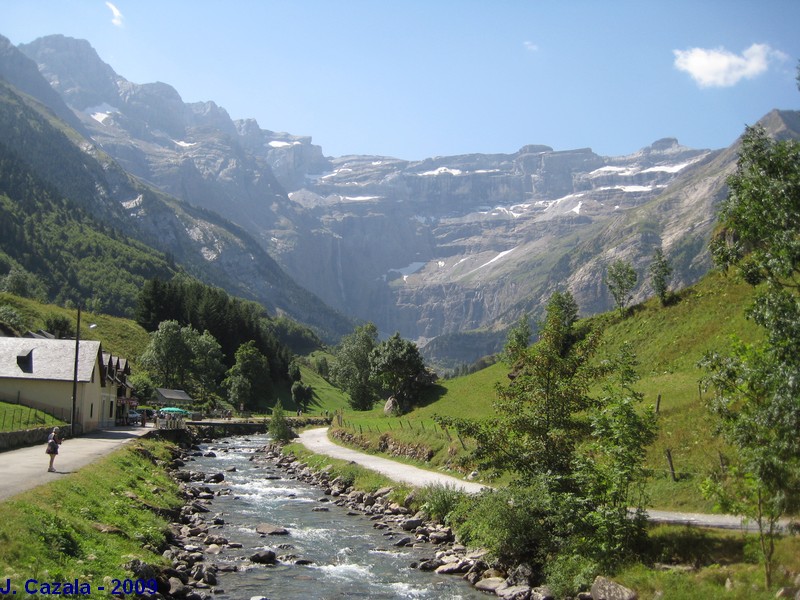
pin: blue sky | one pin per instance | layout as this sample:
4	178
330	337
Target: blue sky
420	78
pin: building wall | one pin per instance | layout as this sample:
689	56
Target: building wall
58	395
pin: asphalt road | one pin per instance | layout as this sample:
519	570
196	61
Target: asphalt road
26	468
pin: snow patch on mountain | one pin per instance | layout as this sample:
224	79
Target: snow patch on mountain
102	112
441	171
405	272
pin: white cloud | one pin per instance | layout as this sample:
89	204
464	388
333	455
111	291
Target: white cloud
721	68
116	19
530	46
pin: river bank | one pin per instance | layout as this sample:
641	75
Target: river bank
147	514
392	509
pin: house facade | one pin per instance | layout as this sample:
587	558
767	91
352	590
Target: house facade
40	373
118	398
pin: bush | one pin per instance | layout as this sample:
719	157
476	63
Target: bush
279	428
439	500
514	524
569	573
11	317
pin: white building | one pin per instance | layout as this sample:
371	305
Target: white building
39	372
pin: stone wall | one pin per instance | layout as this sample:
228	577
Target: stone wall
28	437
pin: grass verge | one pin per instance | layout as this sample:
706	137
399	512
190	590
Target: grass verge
88	525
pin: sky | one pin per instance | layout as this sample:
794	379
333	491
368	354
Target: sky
421	78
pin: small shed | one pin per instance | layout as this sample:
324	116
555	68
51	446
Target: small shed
168	397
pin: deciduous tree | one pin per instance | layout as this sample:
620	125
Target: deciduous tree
621	279
398	367
757	386
660	274
351	366
247	381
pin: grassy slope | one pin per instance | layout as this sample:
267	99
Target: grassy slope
14	417
668	342
121	337
87	526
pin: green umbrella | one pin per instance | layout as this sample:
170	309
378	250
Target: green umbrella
173	409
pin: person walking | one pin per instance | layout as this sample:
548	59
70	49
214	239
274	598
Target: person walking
53	442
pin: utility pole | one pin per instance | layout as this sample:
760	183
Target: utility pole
75	374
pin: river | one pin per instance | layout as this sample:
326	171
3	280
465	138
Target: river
349	557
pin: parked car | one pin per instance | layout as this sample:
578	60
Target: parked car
134	418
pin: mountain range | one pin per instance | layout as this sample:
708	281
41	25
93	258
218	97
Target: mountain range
449	251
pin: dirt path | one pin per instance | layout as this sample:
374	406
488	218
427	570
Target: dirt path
317	441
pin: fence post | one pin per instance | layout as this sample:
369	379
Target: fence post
668	452
658	403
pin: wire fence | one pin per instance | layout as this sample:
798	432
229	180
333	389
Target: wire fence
24	417
398	425
18	414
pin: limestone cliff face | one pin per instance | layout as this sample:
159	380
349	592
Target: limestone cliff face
430	248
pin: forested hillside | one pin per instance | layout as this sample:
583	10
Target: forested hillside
53	246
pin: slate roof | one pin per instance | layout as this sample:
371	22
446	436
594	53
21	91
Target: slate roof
177	396
41	358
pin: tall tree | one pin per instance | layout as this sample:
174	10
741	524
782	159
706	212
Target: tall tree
609	467
168	355
351	366
660	274
207	365
621	279
398	367
757	386
248	380
541	413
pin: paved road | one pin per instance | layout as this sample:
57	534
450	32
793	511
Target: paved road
26	468
317	441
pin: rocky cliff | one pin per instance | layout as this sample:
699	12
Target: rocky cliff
431	248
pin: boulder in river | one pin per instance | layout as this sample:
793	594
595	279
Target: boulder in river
263	557
269	529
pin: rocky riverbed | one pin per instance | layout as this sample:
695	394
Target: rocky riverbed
210	550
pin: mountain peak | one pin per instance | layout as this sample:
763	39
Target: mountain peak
74	69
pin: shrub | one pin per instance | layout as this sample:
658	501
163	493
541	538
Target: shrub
439	500
514	524
279	428
569	573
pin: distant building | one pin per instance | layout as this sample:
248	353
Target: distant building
177	398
